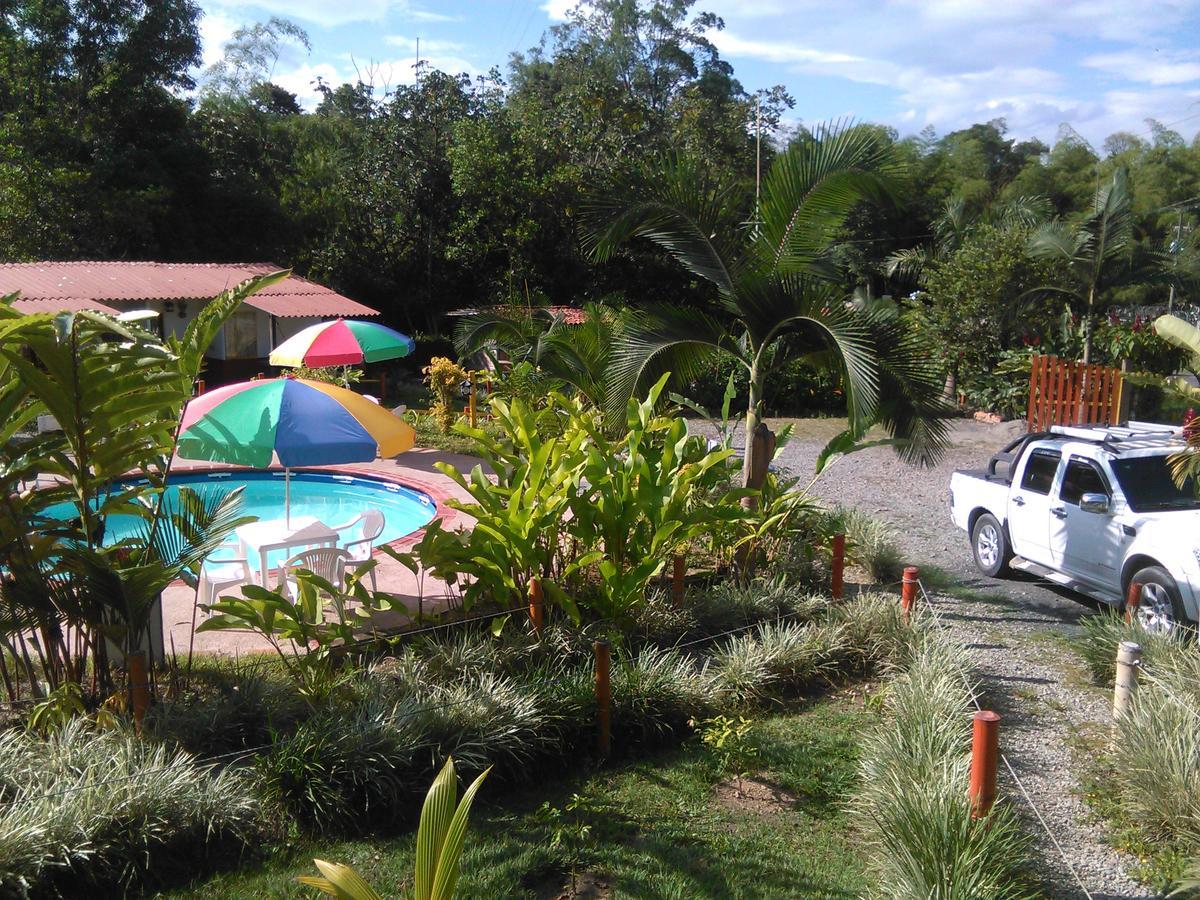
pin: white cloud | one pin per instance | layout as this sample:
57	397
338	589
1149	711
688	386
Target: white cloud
557	9
426	45
1160	67
216	27
954	62
776	51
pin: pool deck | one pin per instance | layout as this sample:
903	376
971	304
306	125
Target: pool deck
414	468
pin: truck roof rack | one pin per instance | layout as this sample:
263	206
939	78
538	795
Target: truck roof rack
1130	436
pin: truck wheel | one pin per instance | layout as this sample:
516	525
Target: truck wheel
989	545
1159	611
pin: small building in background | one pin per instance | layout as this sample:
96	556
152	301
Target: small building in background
177	291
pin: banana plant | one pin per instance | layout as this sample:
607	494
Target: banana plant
440	837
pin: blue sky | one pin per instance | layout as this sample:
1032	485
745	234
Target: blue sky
1101	65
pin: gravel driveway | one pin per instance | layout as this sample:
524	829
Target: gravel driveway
1040	701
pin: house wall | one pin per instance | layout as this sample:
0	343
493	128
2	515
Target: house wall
286	328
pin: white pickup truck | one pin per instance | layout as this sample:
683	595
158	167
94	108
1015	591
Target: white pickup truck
1091	508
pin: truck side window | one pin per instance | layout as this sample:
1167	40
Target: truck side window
1039	471
1081	477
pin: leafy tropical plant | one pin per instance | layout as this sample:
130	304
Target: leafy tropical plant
775	299
302	624
117	393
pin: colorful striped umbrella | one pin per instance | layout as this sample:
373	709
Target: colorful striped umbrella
342	343
292	420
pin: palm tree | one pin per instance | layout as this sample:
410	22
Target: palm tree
1095	252
776	297
577	353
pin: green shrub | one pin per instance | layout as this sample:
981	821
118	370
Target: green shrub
110	809
226	709
875	630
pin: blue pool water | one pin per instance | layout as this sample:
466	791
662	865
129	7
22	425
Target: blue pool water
332	499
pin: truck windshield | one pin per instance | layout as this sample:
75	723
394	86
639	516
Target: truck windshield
1148	485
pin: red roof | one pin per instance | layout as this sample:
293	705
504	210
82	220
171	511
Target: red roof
65	304
53	286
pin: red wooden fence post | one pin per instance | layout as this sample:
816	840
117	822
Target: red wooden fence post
139	686
838	567
908	590
536	605
603	700
985	753
1132	600
678	568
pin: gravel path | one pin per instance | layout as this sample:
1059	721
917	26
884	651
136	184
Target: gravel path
1020	676
1039	712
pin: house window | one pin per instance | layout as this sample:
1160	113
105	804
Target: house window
241	335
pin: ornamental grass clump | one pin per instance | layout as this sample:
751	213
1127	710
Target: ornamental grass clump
655	693
109	810
774	656
1100	634
922	841
344	770
1157	771
871	544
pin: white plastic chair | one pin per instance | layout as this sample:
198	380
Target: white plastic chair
220	573
324	562
361	549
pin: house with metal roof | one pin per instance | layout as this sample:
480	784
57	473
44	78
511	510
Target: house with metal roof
176	291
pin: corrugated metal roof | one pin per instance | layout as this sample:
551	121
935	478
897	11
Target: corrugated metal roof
52	283
293	305
61	304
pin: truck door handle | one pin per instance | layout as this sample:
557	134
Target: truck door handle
1059	511
1018	501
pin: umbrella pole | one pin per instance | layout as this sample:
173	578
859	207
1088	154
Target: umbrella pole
287	496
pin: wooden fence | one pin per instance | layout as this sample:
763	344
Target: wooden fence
1065	392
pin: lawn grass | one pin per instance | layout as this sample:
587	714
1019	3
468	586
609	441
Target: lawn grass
657	829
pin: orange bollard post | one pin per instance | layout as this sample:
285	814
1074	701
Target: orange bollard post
678	568
536	605
838	566
908	590
139	686
471	399
985	754
199	386
603	700
1133	599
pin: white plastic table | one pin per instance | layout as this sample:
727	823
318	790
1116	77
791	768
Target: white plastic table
269	535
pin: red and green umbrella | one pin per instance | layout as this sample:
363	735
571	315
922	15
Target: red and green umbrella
342	342
292	421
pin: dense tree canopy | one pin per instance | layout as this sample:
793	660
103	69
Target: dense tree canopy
453	191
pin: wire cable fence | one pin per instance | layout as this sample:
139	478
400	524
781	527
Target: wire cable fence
973	694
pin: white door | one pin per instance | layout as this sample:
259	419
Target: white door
1029	507
1086	545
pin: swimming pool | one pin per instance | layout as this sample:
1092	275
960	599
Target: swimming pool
333	498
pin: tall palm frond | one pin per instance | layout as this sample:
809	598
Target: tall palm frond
682	207
807	193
